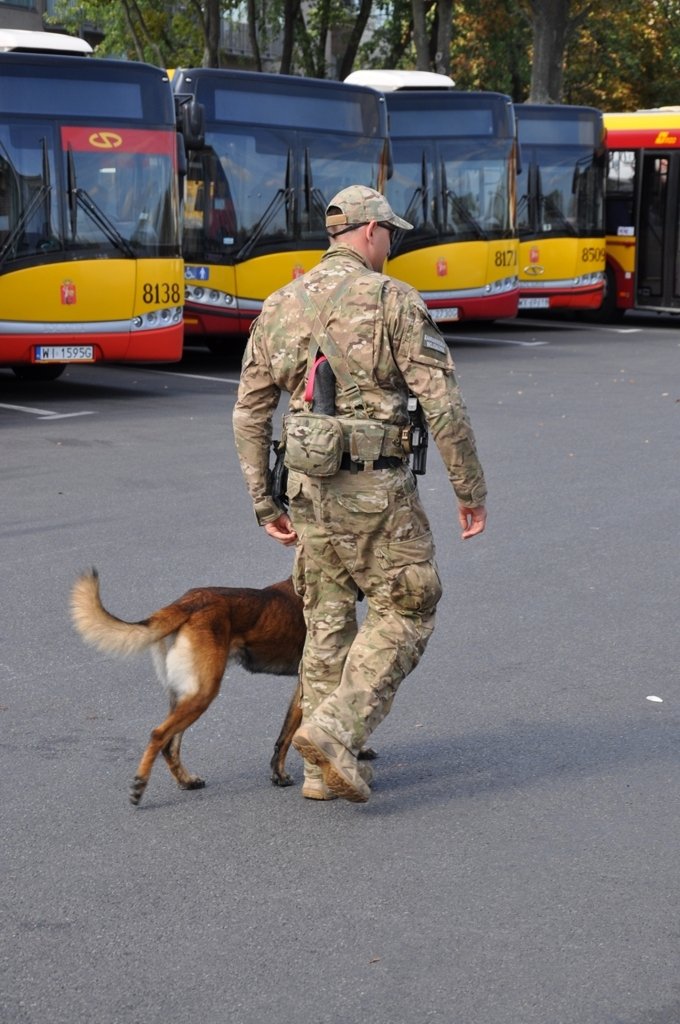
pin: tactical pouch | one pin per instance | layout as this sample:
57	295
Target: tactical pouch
365	440
314	443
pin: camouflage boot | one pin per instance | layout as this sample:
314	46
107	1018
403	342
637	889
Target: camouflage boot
339	767
313	787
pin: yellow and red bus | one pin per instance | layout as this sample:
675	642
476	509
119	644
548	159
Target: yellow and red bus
560	206
454	171
642	212
90	259
265	155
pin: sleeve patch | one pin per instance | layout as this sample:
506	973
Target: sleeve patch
432	342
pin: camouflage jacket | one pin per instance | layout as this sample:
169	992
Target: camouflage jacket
391	346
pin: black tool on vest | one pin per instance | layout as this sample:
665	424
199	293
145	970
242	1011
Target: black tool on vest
324	388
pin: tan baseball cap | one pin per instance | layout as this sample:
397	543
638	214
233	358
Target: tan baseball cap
359	204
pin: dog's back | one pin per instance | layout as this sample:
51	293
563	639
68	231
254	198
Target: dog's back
263	629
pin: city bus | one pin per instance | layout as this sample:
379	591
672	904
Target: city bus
265	155
642	212
90	257
560	207
454	173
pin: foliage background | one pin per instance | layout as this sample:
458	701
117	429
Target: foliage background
619	56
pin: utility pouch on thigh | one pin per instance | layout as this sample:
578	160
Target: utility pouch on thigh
313	443
365	440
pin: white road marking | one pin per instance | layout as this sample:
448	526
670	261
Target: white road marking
45	414
453	338
196	376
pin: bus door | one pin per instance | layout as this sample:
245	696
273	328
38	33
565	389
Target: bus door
658	251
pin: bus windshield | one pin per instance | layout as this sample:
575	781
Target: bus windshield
559	190
452	189
257	189
76	189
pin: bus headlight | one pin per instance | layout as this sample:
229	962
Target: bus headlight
502	285
157	318
596	277
208	296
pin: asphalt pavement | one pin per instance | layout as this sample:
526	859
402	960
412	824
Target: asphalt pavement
518	860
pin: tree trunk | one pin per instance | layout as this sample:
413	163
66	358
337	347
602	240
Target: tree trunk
442	57
347	62
252	34
550	20
212	33
420	37
324	16
291	12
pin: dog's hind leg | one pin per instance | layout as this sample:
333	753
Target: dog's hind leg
171	753
185	713
192	672
291	723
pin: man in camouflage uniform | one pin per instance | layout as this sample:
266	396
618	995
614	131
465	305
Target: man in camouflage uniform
364	527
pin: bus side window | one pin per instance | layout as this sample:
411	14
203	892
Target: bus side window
619	210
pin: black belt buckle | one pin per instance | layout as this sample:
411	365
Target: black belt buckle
383	462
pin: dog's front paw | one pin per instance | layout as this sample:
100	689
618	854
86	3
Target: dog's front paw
282	779
367	754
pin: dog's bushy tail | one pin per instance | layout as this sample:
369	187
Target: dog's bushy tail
103	630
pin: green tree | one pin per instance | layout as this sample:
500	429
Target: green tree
491	47
622	56
629	61
148	30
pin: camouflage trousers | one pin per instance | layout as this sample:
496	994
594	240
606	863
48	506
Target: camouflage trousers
366	531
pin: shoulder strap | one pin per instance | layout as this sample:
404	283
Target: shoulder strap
322	341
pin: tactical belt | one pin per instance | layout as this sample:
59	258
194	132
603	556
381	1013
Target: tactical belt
384	462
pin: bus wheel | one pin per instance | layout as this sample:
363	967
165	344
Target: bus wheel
38	374
609	312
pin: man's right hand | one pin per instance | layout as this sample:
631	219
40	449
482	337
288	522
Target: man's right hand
472	520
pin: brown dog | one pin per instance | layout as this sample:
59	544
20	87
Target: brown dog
191	641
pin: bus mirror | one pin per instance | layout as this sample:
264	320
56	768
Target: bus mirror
191	121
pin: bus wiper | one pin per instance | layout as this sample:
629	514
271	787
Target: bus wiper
283	195
95	212
38	197
78	197
314	197
26	214
412	213
459	207
71	189
47	185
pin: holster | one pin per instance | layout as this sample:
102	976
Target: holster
279	478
